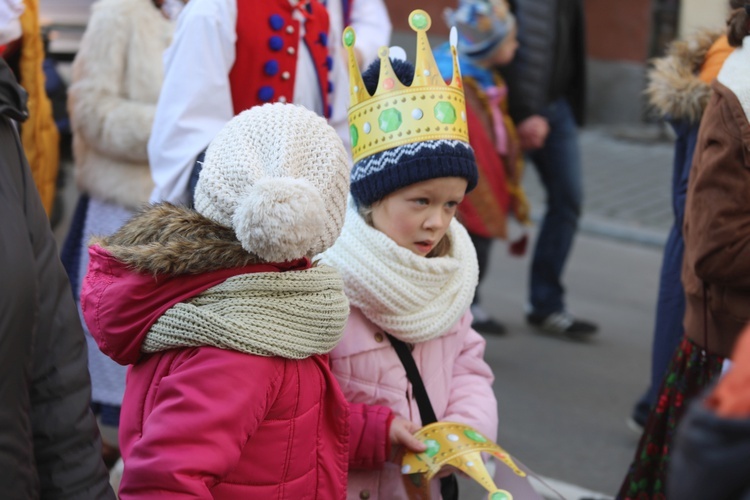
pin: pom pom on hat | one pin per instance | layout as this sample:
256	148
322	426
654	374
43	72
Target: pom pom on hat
278	175
280	218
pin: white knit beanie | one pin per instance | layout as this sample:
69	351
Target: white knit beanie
278	175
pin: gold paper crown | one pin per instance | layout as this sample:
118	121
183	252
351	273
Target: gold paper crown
461	446
427	110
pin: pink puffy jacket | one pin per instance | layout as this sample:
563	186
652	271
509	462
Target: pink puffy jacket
211	423
455	375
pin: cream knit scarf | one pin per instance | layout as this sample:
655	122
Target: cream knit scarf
293	314
414	298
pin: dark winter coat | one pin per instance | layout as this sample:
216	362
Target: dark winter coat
537	66
49	442
710	457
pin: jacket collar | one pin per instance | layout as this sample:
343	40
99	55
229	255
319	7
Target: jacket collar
121	305
12	97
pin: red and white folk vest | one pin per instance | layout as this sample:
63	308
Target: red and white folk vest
268	38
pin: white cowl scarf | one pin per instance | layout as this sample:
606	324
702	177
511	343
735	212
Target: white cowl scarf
414	298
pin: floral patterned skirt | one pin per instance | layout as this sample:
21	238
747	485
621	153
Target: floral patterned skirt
690	371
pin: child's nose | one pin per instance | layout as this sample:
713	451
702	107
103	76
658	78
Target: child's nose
436	220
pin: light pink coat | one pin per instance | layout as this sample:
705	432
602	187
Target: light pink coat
456	377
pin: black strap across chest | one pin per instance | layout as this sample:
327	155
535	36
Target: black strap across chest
448	485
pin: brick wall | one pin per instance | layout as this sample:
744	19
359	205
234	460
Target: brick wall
616	30
400	9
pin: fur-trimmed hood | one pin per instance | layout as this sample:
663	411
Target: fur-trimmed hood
166	239
674	87
163	256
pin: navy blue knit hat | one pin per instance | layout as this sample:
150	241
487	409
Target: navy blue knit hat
375	177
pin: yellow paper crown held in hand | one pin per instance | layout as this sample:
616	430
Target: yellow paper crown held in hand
458	445
427	110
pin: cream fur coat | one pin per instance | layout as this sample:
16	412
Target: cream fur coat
117	75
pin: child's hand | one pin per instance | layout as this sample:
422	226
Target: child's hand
401	435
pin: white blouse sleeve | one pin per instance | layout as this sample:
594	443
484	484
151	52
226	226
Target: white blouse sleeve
370	21
195	99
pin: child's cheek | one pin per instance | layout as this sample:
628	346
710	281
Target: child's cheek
409	228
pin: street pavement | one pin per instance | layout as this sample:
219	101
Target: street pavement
563	404
627	173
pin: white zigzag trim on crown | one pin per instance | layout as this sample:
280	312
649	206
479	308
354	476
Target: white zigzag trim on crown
378	162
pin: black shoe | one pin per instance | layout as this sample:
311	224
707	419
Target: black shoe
562	323
490	327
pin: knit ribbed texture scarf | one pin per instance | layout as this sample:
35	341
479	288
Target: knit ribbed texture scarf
294	315
414	298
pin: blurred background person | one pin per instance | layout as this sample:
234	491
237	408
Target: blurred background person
228	56
23	49
50	443
679	89
547	96
716	266
712	445
116	78
486	41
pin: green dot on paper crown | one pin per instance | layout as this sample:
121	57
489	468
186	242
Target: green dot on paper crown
433	447
419	21
349	38
501	495
354	134
445	112
475	436
389	120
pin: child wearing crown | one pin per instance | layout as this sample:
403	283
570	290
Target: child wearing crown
409	268
487	40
